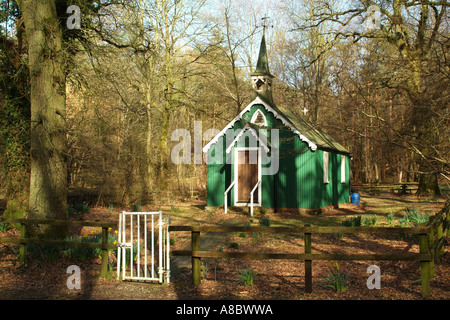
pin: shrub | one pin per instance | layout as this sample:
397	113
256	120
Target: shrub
85	254
265	222
136	207
413	217
39	252
390	218
403	222
81	253
370	220
416	217
70	211
110	208
336	278
234	245
81	208
4	226
15	210
352	222
204	269
246	276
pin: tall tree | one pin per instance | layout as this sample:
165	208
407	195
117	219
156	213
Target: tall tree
174	28
46	60
415	29
14	105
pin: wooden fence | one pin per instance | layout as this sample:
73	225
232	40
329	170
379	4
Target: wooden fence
432	238
439	225
23	240
431	244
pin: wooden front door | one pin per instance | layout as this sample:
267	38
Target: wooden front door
247	175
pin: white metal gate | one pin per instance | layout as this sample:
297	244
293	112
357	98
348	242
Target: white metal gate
143	247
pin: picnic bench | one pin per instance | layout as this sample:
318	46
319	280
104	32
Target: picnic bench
404	189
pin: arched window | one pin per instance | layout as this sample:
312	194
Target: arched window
259	119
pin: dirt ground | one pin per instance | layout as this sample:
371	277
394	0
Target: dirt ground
274	279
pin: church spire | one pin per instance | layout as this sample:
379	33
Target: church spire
261	77
262	66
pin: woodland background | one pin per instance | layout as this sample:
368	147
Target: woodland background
137	70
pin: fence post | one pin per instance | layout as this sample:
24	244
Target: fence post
23	245
431	244
308	263
439	235
424	266
104	268
446	221
196	262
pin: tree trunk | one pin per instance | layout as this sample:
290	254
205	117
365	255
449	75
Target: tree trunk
422	121
428	183
164	155
48	180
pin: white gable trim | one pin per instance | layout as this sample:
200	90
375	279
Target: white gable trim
258	100
241	133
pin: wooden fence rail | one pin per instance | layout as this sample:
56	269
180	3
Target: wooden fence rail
432	238
430	243
23	240
439	225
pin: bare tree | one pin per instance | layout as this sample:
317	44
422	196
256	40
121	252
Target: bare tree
415	29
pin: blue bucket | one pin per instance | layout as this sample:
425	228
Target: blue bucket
355	198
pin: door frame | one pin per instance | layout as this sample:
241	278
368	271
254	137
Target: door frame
236	183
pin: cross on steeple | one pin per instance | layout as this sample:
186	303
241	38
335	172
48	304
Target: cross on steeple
265	23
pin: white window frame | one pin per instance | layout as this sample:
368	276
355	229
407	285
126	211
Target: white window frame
326	167
255	116
343	171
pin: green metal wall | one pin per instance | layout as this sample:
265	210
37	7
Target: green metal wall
299	182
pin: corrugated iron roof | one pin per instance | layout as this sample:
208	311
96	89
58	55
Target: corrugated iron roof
313	133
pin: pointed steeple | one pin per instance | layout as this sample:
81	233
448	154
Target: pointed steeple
261	77
262	67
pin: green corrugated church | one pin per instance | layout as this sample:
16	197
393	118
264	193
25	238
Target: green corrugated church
274	158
